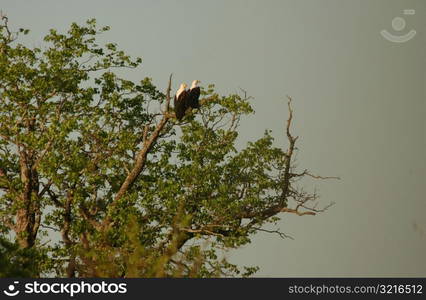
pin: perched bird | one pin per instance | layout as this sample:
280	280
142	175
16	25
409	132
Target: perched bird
180	101
194	95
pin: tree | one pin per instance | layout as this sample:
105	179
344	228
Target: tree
103	161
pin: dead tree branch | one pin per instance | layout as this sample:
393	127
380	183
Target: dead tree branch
281	234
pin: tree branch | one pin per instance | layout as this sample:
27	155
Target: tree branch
281	234
306	173
142	154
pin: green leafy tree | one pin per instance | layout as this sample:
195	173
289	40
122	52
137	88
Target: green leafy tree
131	191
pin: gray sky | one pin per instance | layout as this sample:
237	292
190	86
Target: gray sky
359	104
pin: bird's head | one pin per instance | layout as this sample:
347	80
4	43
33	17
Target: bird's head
182	87
195	83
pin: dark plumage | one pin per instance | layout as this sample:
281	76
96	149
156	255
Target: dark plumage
186	100
180	101
193	97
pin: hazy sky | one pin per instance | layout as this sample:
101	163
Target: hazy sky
359	104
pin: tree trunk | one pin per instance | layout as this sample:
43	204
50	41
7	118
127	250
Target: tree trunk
28	214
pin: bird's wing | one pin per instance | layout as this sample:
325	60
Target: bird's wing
194	96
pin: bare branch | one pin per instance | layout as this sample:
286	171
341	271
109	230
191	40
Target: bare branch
168	97
287	192
281	234
9	36
297	212
306	173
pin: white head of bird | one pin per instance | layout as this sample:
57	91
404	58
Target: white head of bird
195	83
182	87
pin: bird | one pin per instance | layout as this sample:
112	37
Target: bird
180	101
194	95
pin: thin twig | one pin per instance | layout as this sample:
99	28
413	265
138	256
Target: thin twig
281	234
